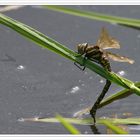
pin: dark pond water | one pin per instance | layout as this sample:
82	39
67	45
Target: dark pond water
38	83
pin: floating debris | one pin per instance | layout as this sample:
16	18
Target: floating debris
80	113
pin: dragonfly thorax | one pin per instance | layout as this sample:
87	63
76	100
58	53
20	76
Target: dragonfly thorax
90	51
93	52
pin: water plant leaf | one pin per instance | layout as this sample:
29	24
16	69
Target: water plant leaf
66	122
55	120
88	121
117	96
95	15
67	125
116	129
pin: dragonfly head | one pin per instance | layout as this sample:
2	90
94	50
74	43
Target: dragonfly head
82	47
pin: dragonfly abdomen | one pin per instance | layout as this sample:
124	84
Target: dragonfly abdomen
105	63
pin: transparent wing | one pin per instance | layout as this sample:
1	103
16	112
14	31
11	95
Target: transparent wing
107	42
118	58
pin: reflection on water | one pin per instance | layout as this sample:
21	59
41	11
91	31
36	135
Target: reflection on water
81	82
121	73
21	120
35	118
102	81
73	90
136	127
20	67
94	129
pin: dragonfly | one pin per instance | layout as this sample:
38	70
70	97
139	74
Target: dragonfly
98	54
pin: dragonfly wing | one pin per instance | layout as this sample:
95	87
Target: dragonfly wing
118	58
107	42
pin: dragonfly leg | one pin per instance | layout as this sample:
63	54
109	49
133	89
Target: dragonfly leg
80	66
99	99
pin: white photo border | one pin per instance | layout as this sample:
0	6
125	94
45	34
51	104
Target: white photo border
69	2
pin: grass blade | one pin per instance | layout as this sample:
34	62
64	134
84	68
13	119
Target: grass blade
127	121
55	120
117	96
60	49
113	127
87	121
67	125
95	16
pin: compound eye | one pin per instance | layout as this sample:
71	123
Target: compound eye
84	44
81	48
